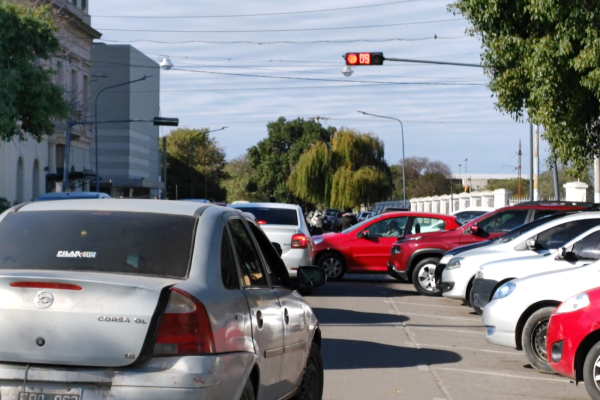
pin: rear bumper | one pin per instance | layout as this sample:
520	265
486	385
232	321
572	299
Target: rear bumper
482	291
295	258
173	378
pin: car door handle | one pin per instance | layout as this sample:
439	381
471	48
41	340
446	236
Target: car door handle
259	319
286	316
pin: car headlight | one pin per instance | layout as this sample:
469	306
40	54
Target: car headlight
318	240
574	303
454	263
479	274
445	259
504	290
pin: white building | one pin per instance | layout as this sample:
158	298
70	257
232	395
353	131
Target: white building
29	168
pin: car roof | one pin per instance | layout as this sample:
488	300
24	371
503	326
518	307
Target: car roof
415	214
71	195
283	206
120	205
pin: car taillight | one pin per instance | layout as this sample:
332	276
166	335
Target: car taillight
299	241
184	327
261	222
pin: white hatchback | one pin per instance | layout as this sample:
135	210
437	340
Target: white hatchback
284	224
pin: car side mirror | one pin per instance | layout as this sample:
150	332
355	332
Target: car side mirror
531	244
562	253
363	235
278	248
311	277
475	230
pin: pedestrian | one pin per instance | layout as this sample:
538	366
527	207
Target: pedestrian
348	219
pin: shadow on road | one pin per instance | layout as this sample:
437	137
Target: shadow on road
360	289
337	316
355	354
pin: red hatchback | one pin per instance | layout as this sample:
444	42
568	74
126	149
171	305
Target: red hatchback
573	340
365	247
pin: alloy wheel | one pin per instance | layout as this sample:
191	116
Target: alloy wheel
538	339
427	277
332	267
596	373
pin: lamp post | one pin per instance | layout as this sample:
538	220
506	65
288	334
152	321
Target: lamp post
158	121
192	159
96	122
403	159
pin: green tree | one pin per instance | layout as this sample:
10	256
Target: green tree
273	158
238	183
4	204
510	184
348	173
543	57
29	101
546	184
423	178
208	169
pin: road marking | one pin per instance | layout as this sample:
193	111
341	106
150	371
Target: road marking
446	330
427	305
423	368
435	346
409	344
436	377
469	371
439	316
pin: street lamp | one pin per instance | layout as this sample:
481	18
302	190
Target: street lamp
192	160
158	121
96	122
347	71
403	159
165	63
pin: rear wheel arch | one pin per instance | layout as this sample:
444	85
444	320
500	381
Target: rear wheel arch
255	379
582	351
317	338
528	313
420	255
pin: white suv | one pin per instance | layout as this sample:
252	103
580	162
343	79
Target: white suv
284	224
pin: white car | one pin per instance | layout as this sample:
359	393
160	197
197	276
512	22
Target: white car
520	310
284	224
363	216
493	275
553	232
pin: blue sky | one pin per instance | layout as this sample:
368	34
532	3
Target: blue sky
442	122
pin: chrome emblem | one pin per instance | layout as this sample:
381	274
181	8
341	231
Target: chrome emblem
44	299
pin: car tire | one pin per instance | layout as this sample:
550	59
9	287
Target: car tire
591	370
311	385
423	277
472	301
533	339
248	393
334	266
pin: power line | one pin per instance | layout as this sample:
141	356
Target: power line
285	30
250	15
263	43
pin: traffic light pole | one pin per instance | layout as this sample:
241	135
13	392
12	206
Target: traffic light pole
433	62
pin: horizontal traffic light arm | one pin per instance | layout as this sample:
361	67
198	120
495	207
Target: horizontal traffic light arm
353	59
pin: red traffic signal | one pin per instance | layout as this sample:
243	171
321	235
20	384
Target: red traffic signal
364	58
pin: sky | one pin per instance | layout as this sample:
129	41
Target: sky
447	111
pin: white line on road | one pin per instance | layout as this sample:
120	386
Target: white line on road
433	328
469	371
435	346
440	316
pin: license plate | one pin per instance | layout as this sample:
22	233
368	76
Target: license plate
50	394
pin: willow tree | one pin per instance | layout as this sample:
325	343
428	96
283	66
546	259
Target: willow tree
348	172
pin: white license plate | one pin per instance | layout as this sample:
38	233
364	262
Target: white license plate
50	394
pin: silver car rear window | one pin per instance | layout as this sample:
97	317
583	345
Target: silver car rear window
111	242
273	216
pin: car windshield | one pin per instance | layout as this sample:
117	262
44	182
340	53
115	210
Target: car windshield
273	216
98	241
360	224
520	230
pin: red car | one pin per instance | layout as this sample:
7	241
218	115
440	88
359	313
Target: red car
365	247
573	340
415	257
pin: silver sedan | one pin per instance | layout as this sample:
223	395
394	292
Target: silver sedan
152	300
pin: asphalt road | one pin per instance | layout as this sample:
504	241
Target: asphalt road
381	340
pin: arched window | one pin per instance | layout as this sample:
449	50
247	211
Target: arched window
20	181
36	179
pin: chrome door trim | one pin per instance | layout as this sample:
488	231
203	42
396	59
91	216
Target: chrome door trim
294	347
274	352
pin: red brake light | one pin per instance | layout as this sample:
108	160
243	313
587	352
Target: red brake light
45	285
299	241
261	222
184	327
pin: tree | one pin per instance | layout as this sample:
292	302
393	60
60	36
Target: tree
208	169
238	183
4	204
509	184
273	158
544	57
29	101
546	184
423	178
349	172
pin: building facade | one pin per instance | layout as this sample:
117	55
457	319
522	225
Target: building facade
129	161
27	168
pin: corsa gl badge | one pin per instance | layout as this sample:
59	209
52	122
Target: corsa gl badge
44	299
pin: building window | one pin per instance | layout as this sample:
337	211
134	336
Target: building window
74	83
86	92
60	74
60	156
74	2
20	181
84	5
36	180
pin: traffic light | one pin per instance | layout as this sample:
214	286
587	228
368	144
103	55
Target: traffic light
364	58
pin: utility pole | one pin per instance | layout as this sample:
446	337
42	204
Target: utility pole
597	179
459	174
466	160
165	166
530	161
556	187
519	172
536	164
